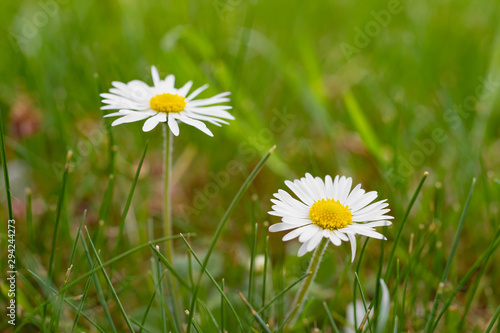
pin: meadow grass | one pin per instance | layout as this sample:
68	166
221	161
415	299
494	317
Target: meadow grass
402	96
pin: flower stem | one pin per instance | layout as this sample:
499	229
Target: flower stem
306	284
167	199
167	220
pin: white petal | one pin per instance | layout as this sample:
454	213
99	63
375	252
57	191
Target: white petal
314	242
356	194
129	119
151	123
169	83
208	101
372	217
365	200
305	197
296	221
334	239
344	189
172	124
336	188
211	120
378	224
196	92
286	210
281	226
372	207
352	240
320	185
293	234
341	235
329	187
302	250
303	184
195	123
114	114
370	233
308	232
309	182
156	77
185	89
292	202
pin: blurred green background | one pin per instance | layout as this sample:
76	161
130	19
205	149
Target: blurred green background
377	90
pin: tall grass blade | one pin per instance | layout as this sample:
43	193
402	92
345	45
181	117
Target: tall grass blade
402	225
220	228
221	291
127	205
60	203
444	278
110	284
254	313
54	322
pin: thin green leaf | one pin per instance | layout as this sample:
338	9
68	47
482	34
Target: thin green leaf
221	291
444	278
127	206
110	284
254	313
402	225
220	228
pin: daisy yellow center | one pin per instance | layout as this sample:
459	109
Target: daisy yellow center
330	214
168	103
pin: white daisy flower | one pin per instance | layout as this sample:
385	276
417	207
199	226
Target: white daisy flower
328	209
137	101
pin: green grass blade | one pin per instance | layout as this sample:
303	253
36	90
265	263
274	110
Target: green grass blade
407	277
6	172
222	308
60	202
493	320
29	220
252	256
54	321
482	260
110	284
457	235
221	291
283	292
444	278
254	313
82	300
211	315
220	228
402	225
146	313
89	273
264	273
100	294
161	296
67	302
127	206
169	267
363	299
330	318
